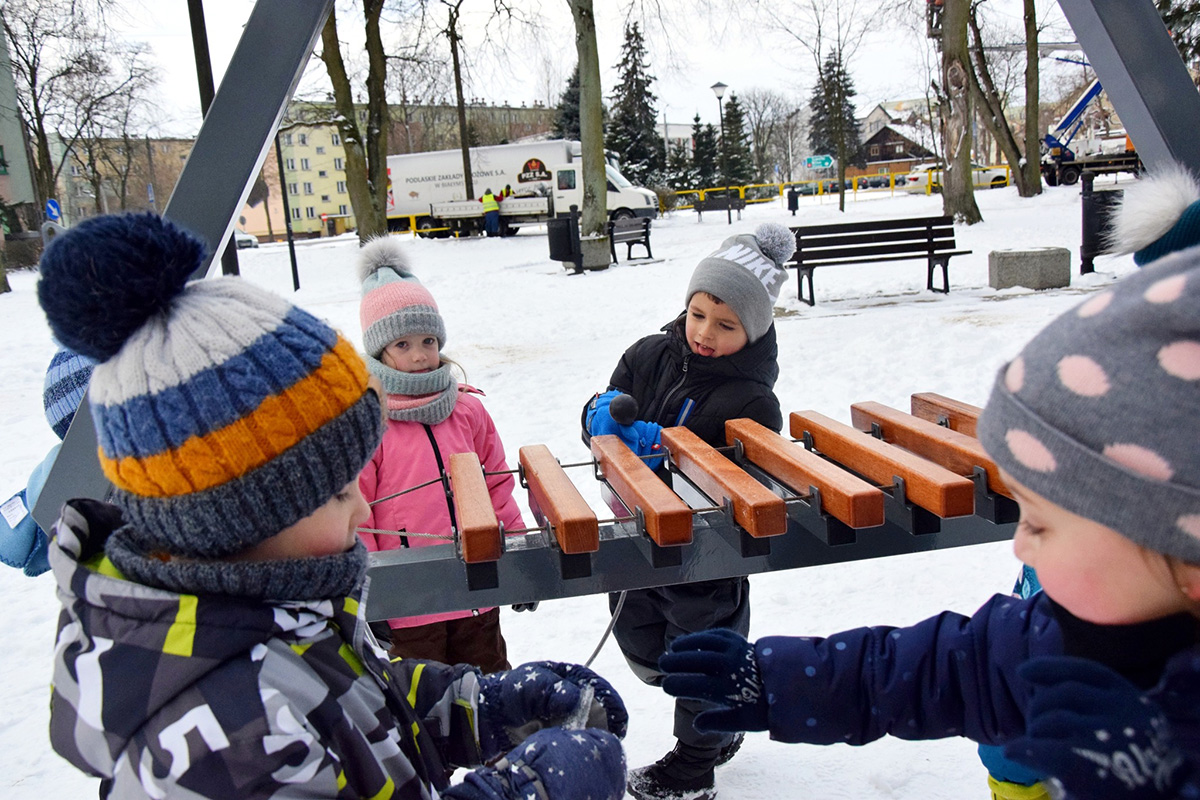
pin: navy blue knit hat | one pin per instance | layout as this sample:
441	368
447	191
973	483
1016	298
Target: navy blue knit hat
66	383
1157	215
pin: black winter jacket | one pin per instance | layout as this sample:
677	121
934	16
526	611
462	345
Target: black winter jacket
662	374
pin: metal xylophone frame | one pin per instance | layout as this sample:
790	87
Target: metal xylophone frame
534	565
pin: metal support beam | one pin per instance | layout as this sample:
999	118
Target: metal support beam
228	153
1140	69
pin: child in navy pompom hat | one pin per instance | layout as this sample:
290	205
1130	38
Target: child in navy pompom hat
1095	681
212	641
23	543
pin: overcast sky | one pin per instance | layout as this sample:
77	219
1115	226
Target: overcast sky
698	50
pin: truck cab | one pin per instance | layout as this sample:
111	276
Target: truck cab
624	199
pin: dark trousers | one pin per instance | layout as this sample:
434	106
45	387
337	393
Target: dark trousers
652	618
470	640
491	223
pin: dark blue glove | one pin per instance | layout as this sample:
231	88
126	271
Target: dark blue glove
554	764
545	694
718	666
1097	734
643	438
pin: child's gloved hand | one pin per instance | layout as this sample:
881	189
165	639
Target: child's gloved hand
643	438
1097	734
718	666
555	764
545	694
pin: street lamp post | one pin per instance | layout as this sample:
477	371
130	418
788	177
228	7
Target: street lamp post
719	90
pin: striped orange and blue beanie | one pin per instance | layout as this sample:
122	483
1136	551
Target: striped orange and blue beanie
224	414
66	383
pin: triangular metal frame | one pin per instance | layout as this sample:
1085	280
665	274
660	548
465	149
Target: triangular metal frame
1125	41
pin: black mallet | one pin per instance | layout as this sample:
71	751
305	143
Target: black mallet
623	409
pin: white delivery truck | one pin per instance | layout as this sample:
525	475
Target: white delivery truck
426	190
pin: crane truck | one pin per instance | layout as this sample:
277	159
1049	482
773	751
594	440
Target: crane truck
1062	165
426	191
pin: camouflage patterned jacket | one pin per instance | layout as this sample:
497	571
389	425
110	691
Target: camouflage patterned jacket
186	696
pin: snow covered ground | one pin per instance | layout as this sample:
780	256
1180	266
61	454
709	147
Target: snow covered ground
539	341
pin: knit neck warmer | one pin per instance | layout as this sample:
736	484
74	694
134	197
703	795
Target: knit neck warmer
312	578
425	397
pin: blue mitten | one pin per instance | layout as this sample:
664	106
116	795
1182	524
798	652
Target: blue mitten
643	438
1097	734
22	543
553	764
545	694
718	666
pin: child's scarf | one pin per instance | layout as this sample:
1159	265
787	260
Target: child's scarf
425	397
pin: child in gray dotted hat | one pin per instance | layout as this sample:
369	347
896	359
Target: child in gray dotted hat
1095	682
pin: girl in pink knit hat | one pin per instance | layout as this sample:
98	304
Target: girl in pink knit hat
430	417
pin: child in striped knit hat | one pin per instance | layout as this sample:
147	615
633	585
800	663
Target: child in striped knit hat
431	416
212	641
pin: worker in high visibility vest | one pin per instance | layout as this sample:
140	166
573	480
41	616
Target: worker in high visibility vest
491	213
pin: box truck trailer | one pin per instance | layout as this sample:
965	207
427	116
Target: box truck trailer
426	190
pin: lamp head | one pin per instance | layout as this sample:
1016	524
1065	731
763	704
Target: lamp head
719	90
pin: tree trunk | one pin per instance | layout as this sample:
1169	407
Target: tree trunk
358	184
378	125
1033	131
958	190
983	90
591	135
463	138
4	287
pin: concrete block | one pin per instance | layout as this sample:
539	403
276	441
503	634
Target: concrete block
1036	268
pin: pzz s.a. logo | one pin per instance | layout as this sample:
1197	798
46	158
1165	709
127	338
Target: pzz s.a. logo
534	170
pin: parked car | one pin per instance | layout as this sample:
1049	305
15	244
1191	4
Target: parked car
917	179
243	239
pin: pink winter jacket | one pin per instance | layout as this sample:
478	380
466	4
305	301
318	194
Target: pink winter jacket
406	458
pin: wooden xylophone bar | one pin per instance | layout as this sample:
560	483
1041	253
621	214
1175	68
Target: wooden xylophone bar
889	484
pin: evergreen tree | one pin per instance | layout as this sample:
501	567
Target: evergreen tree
833	128
706	156
567	124
1182	18
633	133
680	174
739	163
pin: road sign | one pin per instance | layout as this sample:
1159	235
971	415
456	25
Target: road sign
818	162
52	210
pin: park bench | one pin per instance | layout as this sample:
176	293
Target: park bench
718	204
929	238
629	231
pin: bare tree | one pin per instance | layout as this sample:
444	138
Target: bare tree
365	149
54	51
766	112
958	185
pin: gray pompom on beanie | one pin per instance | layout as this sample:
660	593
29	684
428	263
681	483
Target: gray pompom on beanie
394	303
746	273
1100	413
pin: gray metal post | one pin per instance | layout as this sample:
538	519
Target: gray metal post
229	151
1143	75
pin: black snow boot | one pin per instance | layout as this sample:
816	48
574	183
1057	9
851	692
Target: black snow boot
685	773
730	750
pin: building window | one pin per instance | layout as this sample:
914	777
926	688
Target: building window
295	213
321	173
290	164
307	188
287	139
292	189
310	212
362	116
874	149
304	164
342	210
324	198
899	148
341	187
320	151
76	171
337	164
302	138
335	139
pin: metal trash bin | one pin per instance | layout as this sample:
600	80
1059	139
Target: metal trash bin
563	235
1097	207
793	199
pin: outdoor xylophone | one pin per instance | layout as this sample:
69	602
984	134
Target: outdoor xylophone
891	483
